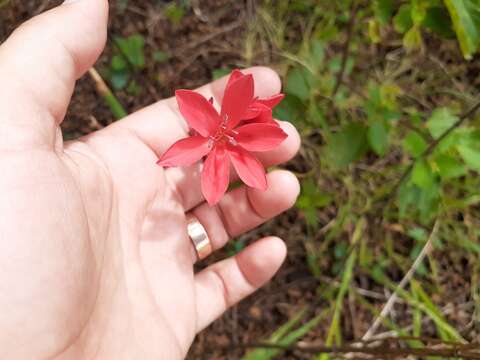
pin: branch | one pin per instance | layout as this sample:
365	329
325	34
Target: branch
406	279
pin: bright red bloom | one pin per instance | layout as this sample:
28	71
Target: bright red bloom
260	110
221	138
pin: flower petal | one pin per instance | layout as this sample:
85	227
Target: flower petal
272	101
254	110
238	96
185	152
260	105
248	167
264	117
199	113
235	75
259	137
215	175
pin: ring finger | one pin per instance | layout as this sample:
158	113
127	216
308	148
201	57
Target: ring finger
245	208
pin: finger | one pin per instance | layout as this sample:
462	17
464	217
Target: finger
40	62
186	180
225	283
161	124
245	208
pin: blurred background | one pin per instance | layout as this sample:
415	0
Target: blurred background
384	239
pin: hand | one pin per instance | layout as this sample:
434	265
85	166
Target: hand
94	256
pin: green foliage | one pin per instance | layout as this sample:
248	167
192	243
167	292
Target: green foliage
310	200
160	56
448	18
440	121
174	12
285	335
218	73
347	145
129	57
132	48
465	24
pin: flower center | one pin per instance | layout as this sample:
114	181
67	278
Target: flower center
223	135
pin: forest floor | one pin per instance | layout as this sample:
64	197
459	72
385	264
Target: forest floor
209	37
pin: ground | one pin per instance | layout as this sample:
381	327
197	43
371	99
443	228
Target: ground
213	35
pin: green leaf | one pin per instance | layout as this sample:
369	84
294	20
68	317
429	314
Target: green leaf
374	31
470	154
449	167
290	109
133	49
464	25
219	73
383	10
418	11
422	174
440	121
348	145
408	195
174	13
119	79
133	88
414	144
297	84
118	63
317	54
160	56
412	39
378	137
438	20
402	21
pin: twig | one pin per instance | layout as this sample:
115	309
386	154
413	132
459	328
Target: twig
107	94
345	51
464	117
406	279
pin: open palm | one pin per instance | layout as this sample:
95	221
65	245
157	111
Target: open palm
94	256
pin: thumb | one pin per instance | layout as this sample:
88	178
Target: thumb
39	64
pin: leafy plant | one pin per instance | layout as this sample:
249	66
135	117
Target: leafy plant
129	58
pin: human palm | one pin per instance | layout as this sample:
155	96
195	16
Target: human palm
94	255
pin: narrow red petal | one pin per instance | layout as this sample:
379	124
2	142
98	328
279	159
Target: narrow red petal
265	117
272	101
235	75
236	100
254	110
199	113
185	152
248	167
259	137
215	175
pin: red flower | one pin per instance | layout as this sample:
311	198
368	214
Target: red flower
220	137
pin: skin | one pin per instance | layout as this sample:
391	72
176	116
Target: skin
95	261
